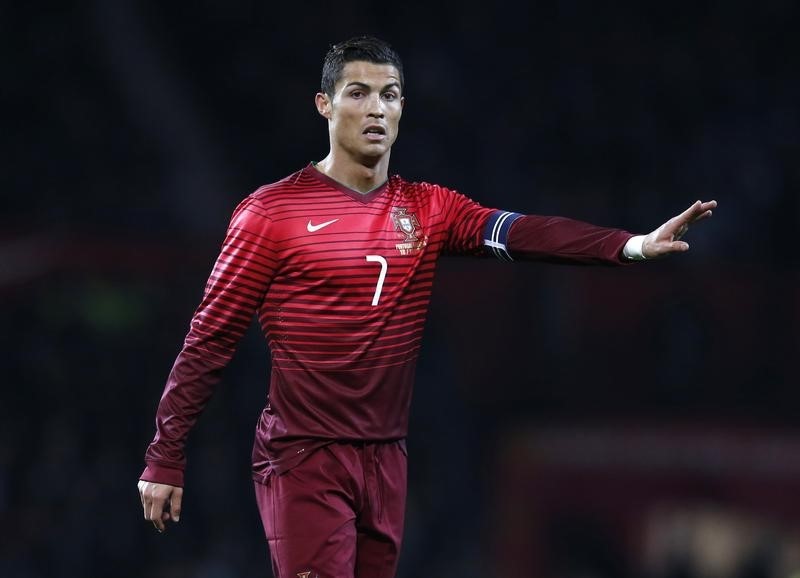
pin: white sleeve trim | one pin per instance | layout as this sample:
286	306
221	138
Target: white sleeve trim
633	248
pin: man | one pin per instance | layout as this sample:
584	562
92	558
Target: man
337	261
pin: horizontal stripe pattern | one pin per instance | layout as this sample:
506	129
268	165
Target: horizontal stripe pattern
341	367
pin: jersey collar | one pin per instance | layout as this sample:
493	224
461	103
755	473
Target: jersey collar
364	198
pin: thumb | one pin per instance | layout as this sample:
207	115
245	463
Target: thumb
175	504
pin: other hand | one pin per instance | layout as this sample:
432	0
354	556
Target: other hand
667	238
161	502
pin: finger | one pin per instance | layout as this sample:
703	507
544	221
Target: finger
658	249
146	498
175	504
146	503
694	210
703	215
677	226
676	247
155	514
704	210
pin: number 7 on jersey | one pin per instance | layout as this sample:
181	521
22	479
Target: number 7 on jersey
381	277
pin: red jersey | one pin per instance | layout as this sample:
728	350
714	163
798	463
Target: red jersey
341	283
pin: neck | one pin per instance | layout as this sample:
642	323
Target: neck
361	176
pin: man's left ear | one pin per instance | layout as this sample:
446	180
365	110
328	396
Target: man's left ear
323	104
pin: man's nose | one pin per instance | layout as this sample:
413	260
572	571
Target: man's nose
376	107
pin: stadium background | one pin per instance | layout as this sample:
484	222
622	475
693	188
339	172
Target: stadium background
567	421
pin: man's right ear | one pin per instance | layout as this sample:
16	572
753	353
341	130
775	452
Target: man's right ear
323	104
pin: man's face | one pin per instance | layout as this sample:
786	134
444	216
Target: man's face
365	110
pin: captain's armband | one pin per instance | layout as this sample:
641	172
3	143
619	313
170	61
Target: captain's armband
495	234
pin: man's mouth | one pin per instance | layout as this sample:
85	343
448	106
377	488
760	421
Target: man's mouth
375	132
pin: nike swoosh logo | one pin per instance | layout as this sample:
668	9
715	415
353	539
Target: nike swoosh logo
312	228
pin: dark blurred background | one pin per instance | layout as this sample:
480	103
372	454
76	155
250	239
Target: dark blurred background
567	422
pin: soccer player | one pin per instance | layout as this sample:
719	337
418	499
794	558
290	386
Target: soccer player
337	261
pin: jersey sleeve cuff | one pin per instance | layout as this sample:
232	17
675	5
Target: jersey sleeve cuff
162	475
633	248
495	233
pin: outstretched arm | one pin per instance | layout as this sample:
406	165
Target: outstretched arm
564	240
667	238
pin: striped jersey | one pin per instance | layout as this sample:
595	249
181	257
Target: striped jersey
340	282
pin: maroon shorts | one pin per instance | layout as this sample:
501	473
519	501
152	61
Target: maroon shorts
338	514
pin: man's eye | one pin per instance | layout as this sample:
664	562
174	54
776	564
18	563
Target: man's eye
389	95
356	94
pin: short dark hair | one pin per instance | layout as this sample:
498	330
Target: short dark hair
366	48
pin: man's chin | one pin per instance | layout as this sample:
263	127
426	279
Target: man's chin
373	154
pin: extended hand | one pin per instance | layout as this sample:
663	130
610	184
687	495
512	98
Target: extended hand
155	499
666	239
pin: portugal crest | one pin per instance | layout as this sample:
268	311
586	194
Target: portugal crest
405	223
408	225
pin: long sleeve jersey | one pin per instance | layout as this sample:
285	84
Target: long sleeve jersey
340	282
